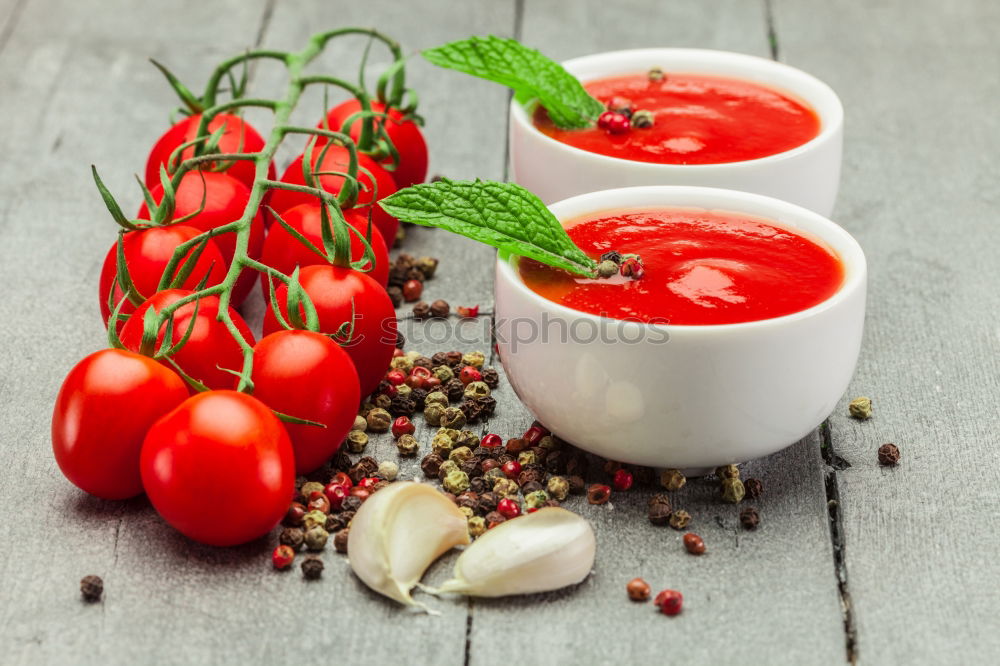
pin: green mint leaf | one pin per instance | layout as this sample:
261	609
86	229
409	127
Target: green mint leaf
503	215
527	71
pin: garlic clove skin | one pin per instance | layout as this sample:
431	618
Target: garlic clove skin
398	532
541	551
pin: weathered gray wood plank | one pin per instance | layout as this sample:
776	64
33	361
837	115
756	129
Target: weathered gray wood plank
919	192
739	592
75	96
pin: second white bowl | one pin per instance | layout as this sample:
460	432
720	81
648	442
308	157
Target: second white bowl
808	175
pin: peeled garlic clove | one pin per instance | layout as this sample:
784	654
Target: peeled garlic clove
398	532
545	550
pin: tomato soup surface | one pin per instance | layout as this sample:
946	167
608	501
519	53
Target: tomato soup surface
697	119
701	267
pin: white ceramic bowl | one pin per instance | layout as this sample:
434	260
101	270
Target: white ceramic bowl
808	175
683	396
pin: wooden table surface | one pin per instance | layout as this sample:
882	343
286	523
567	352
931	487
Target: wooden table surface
852	562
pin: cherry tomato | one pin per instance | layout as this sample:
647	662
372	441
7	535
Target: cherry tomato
219	468
405	135
284	252
239	137
225	199
210	344
334	290
308	375
147	253
103	410
336	159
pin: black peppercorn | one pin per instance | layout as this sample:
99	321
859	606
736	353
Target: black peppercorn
402	405
487	502
749	518
477	484
400	340
440	308
335	522
472	467
472	411
491	377
494	518
531	487
454	358
91	587
754	488
577	486
468	499
369	465
351	503
888	454
341	461
530	475
454	389
422	362
488	405
431	465
395	295
659	510
439	358
421	310
291	536
312	568
340	540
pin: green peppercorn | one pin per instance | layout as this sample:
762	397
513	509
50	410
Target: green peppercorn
680	519
407	445
860	408
446	468
379	420
456	482
453	417
426	265
442	444
315	537
356	441
474	358
607	268
492	475
527	458
445	374
642	119
536	500
506	488
733	490
360	423
401	363
476	390
672	479
403	391
460	454
477	526
436	398
656	74
433	412
549	443
382	401
467	438
313	519
558	488
309	487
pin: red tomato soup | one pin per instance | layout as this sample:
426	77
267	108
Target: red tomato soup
696	120
701	267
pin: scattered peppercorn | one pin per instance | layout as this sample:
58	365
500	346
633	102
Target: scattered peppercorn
598	493
508	508
292	537
860	408
296	512
314	518
340	540
622	480
395	295
632	269
659	510
727	472
680	519
637	589
694	544
454	389
749	518
440	309
669	602
477	526
607	268
754	488
468	311
379	420
491	377
577	486
315	537
888	454
92	587
421	310
412	290
536	499
282	557
453	417
312	568
733	491
360	423
558	487
456	481
655	74
357	440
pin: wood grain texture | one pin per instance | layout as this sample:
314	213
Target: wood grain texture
920	193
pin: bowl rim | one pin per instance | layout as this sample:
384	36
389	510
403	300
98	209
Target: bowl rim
831	115
853	261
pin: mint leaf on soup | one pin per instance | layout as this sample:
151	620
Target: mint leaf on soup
527	71
504	215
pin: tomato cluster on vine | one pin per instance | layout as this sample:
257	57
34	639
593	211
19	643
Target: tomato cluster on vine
188	405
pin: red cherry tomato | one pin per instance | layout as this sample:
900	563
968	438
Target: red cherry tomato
239	137
307	375
225	199
404	134
284	252
147	253
336	159
210	344
103	410
219	468
334	291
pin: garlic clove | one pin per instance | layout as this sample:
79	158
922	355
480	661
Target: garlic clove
545	550
398	532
